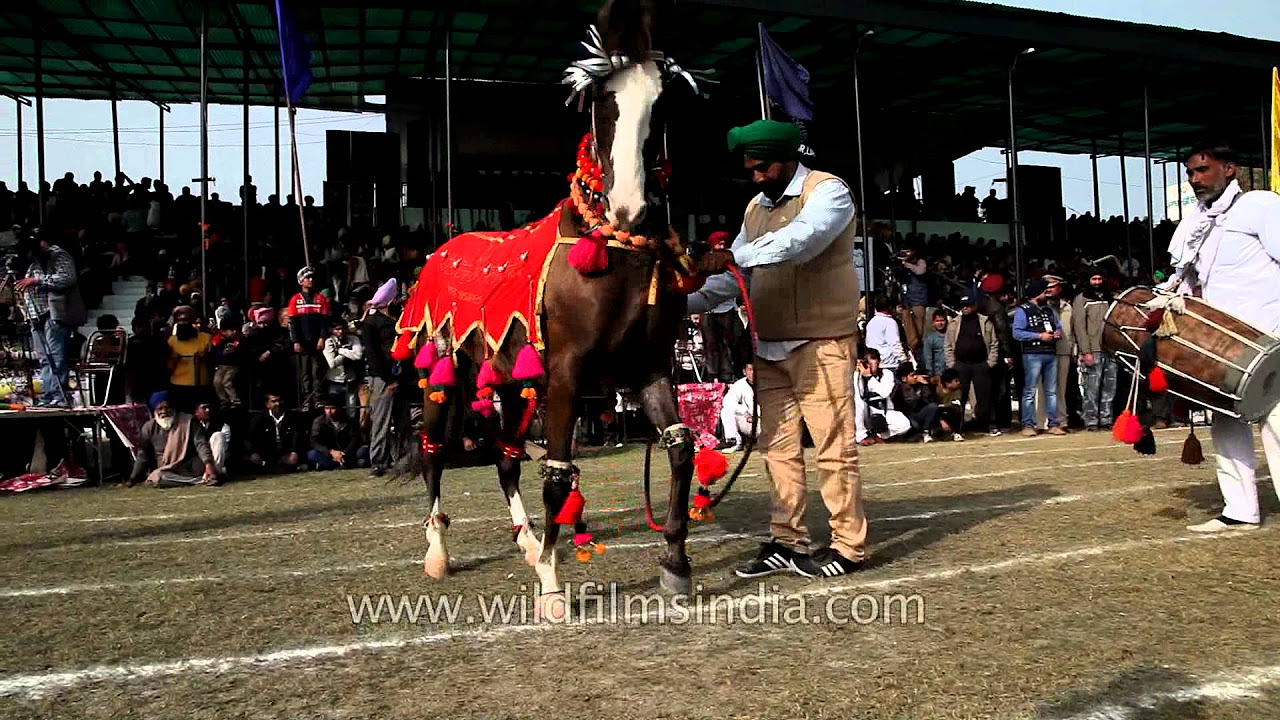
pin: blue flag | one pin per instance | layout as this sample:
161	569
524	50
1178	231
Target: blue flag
786	82
295	55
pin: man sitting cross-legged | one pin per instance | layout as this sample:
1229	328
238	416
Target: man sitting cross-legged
173	450
335	440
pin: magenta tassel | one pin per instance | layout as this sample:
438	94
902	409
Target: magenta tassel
427	356
528	364
488	376
484	406
442	374
589	255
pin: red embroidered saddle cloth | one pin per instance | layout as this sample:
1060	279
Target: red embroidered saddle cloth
484	280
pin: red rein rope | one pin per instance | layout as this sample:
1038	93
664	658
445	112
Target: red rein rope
648	451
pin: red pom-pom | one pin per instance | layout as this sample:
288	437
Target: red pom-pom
442	374
589	255
571	512
1157	380
1127	428
487	375
483	406
400	351
528	365
580	539
710	464
427	356
702	501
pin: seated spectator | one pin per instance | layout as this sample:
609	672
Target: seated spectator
343	354
946	388
737	408
173	450
916	396
272	445
335	440
874	415
935	345
218	433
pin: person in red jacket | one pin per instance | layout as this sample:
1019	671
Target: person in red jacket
309	328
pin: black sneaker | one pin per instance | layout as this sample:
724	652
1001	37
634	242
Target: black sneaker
772	558
828	564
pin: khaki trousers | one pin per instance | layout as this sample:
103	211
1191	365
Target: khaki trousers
913	326
814	384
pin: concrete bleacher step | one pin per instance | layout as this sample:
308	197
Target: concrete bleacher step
124	297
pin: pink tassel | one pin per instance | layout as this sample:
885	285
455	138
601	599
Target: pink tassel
427	356
589	255
484	406
442	374
488	376
528	364
580	539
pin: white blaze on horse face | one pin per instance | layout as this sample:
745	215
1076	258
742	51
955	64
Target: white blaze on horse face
636	88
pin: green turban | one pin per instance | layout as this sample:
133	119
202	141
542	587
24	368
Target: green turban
766	140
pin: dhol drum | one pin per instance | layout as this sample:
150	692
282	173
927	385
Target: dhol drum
1210	357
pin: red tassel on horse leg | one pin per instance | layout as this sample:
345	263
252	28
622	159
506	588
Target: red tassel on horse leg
571	511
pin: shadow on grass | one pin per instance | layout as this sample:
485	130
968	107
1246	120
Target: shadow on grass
1143	693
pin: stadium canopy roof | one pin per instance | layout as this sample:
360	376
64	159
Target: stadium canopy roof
947	59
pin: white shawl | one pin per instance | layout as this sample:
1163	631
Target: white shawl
1190	251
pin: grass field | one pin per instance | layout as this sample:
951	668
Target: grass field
1042	578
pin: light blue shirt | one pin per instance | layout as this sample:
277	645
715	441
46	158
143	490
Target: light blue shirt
826	213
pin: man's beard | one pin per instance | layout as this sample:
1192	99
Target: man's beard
1210	195
773	189
165	422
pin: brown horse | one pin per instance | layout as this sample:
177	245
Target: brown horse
614	326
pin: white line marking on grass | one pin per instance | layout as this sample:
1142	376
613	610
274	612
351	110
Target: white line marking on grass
1037	472
1011	453
40	684
1232	685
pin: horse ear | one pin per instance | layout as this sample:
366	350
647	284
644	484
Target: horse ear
625	28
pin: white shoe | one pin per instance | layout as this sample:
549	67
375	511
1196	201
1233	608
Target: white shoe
957	437
1217	525
928	438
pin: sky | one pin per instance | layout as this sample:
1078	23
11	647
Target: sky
78	133
1247	18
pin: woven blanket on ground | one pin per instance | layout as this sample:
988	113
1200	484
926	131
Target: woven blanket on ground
484	280
699	405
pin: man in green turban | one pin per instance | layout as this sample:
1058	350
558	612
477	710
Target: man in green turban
797	243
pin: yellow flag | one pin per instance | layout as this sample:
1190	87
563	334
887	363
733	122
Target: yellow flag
1275	130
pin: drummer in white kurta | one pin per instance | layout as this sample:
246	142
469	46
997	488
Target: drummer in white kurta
1229	248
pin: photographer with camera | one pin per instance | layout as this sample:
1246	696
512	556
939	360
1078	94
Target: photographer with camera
52	304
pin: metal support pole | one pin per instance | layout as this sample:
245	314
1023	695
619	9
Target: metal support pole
448	125
867	250
1151	217
161	107
1097	199
17	110
1013	189
40	198
1124	193
1164	185
204	153
277	114
1179	176
115	127
248	199
1266	139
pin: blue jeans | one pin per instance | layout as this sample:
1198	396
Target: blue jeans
324	461
1038	369
50	344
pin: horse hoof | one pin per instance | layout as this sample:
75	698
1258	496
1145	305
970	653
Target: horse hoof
674	584
436	565
527	542
551	607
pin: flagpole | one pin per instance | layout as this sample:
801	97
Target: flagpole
764	102
297	177
204	153
867	260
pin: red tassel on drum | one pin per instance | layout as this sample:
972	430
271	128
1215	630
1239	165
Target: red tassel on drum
1127	428
1157	381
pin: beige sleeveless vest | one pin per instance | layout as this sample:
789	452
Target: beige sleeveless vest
804	301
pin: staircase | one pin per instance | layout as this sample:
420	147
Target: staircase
124	297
